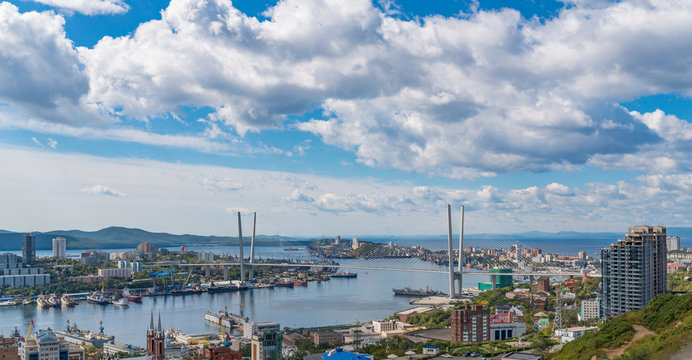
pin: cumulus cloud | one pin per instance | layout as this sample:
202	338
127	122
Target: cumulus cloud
89	7
102	190
486	93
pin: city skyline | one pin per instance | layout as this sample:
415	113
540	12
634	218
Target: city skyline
351	117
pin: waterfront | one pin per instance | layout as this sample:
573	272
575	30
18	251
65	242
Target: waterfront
337	301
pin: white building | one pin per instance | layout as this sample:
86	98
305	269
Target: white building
205	256
59	247
258	328
355	244
507	330
672	243
431	350
13	273
381	326
590	309
569	334
134	266
44	345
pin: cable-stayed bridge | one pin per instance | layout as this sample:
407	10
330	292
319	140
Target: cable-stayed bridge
407	255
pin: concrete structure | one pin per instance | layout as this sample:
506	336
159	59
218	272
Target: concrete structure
266	346
59	247
381	326
109	273
590	309
470	323
16	274
329	337
506	330
155	340
672	243
222	353
76	352
569	334
258	328
633	270
8	349
28	248
44	345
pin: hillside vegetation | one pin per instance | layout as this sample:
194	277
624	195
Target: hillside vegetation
669	316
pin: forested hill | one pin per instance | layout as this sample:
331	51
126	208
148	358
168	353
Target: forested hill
121	237
660	330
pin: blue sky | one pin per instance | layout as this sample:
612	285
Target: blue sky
369	116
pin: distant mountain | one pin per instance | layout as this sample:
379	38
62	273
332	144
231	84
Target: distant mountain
121	237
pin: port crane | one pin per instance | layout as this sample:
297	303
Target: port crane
99	322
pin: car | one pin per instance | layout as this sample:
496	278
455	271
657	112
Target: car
467	354
446	356
475	354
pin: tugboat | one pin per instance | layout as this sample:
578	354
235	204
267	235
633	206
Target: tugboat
131	297
98	298
121	302
43	302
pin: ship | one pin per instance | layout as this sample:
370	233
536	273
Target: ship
345	274
225	319
121	302
67	301
97	298
131	297
80	337
8	302
407	291
43	302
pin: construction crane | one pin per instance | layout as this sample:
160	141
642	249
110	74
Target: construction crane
99	322
31	325
68	322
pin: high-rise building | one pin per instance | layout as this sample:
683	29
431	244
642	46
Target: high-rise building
581	255
155	340
633	270
672	243
266	346
543	284
145	247
44	345
59	247
28	248
470	323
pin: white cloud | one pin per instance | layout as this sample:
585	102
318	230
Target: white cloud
89	7
102	190
52	143
460	97
168	197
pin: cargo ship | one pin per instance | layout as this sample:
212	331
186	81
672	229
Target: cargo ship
345	274
407	291
74	335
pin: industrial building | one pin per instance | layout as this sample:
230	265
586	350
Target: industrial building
633	270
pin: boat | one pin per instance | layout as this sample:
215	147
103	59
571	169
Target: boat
131	297
67	301
98	298
27	302
43	302
407	291
54	300
345	275
121	302
300	283
10	302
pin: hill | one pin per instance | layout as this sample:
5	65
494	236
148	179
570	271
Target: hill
663	328
121	237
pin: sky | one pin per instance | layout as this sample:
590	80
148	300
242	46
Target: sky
345	116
